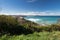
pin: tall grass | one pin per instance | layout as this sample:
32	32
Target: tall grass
35	36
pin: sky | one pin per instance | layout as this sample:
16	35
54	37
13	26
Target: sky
30	7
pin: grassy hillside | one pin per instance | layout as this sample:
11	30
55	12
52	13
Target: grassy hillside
13	25
17	28
10	24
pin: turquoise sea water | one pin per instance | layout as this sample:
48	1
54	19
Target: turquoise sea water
43	19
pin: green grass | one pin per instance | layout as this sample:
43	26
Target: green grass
35	36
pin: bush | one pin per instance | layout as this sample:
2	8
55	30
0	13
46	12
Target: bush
9	24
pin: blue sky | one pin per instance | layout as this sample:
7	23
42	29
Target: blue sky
30	7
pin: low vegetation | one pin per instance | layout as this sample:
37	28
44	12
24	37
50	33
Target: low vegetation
35	36
12	28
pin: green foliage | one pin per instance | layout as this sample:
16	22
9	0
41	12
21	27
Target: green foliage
55	35
10	25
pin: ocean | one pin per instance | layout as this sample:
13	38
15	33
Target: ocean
43	19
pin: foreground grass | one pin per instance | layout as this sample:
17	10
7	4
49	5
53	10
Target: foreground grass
35	36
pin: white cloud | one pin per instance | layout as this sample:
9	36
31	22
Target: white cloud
4	13
31	0
41	13
45	13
